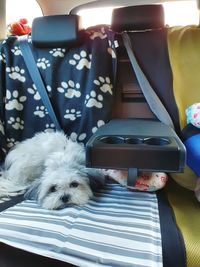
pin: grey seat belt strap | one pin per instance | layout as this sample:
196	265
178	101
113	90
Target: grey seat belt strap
154	102
37	79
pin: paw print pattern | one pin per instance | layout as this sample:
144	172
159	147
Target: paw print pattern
16	51
17	123
70	89
111	49
2	128
99	124
75	137
43	63
81	61
49	127
3	57
72	114
40	111
93	100
58	52
98	34
34	92
11	142
13	101
104	84
16	73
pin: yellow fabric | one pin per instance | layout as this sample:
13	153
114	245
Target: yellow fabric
187	179
187	214
184	54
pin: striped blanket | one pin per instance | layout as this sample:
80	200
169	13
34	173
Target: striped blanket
116	228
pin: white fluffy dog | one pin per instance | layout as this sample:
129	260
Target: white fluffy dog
52	169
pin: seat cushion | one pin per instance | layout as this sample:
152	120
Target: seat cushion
116	228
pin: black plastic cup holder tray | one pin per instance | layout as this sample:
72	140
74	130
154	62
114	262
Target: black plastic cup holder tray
154	141
132	143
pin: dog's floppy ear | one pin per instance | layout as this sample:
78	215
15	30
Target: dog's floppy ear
96	178
33	191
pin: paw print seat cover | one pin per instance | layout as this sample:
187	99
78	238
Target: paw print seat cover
79	82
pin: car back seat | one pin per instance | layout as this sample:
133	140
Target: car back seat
136	237
130	103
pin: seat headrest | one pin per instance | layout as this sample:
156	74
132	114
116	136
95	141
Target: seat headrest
138	18
56	31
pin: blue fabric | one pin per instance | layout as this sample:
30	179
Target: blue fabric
192	145
79	82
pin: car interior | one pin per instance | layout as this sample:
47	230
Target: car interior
128	90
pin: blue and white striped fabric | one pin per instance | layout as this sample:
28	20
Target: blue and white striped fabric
116	228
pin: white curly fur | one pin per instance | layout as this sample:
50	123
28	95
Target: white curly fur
52	168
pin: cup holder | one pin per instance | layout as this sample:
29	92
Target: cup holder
112	140
153	141
134	141
156	141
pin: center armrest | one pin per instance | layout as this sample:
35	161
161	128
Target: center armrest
136	143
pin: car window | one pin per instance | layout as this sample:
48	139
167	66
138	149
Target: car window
93	16
176	13
16	10
181	13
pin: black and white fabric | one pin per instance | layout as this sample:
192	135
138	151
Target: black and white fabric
116	228
79	82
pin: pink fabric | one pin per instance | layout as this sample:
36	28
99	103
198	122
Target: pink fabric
150	181
146	181
193	114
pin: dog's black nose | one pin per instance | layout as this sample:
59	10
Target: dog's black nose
65	198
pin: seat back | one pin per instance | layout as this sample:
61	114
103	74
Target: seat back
149	41
77	69
184	49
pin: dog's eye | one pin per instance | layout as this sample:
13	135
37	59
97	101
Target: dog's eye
74	184
52	189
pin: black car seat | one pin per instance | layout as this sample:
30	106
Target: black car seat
154	61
